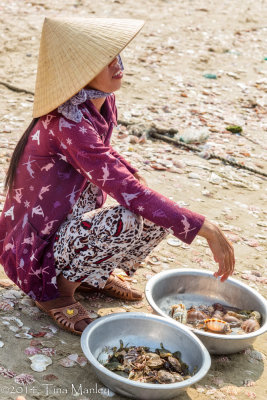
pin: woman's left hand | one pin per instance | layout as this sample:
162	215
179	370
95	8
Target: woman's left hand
140	178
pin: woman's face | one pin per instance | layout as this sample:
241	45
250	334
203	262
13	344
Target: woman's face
109	79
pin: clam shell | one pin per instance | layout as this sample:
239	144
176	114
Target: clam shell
1	344
40	362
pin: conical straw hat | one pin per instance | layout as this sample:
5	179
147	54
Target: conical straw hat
72	52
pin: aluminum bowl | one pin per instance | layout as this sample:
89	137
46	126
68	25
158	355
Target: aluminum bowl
140	329
201	287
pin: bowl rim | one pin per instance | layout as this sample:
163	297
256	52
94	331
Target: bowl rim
135	384
197	272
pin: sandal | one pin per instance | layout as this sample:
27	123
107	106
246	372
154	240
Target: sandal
117	287
67	316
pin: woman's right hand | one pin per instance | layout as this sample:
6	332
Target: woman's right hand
222	249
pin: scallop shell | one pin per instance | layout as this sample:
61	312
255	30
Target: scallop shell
216	325
40	362
24	379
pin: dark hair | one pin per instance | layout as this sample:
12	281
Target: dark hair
17	153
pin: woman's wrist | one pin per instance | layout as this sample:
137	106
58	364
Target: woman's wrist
207	230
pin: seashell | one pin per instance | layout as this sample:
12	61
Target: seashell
15	319
31	311
153	260
241	317
6	305
26	301
250	325
24	379
255	315
50	377
31	351
7	373
66	362
23	335
174	242
193	175
82	361
195	315
48	351
52	328
215	179
218	314
231	319
12	294
40	362
1	344
217	325
13	328
179	313
37	333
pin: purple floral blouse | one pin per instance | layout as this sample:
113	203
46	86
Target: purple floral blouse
61	156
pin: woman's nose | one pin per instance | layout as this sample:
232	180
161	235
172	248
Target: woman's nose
114	62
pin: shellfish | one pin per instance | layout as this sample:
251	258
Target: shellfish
179	313
255	315
217	325
194	315
250	325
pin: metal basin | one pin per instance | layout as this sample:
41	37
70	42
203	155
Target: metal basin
201	287
140	329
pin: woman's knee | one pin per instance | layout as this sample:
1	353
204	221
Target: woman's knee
131	221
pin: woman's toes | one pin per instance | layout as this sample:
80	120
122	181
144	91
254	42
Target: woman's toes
81	325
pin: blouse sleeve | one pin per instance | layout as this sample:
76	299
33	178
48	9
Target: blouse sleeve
85	151
123	161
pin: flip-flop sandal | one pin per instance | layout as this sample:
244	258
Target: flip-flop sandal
66	317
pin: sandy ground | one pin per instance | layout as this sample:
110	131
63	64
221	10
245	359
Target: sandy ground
164	85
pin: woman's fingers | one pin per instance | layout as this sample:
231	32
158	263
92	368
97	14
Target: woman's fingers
221	248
